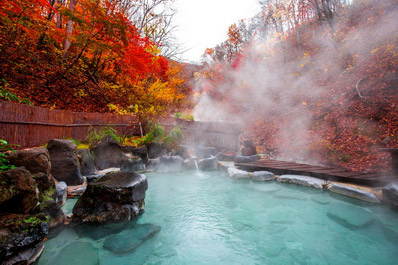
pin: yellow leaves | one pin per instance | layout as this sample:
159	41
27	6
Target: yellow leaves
375	50
302	65
304	103
117	109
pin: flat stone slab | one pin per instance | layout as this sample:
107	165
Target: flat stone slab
237	173
263	176
350	216
353	192
128	240
302	180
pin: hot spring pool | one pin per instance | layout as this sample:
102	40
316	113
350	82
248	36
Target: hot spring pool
209	218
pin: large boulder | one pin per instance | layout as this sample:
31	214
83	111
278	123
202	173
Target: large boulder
248	148
141	152
152	164
133	164
64	161
302	180
170	164
208	164
205	152
54	212
37	162
108	153
21	237
353	192
156	150
86	161
237	173
113	198
390	194
18	191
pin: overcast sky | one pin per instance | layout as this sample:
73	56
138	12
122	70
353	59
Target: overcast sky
204	23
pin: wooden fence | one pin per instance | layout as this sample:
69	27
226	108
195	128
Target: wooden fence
30	126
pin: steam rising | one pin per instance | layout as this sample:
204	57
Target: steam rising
276	87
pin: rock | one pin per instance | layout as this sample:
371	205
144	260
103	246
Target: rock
224	157
141	152
302	180
76	190
182	151
86	161
26	256
128	240
205	152
53	210
61	193
263	176
191	164
64	161
78	253
249	151
156	150
21	237
237	173
170	164
152	164
37	162
390	194
115	197
133	164
353	192
208	164
18	191
246	159
350	216
93	177
108	153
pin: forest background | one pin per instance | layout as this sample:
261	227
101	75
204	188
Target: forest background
310	80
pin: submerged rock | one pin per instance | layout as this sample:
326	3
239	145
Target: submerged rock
208	164
115	197
108	153
128	240
64	161
302	180
354	192
18	191
263	175
21	237
350	216
237	173
78	253
170	164
390	194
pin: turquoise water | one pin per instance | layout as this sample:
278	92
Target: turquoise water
212	219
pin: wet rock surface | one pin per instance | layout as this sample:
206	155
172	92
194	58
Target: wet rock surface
86	161
128	240
156	150
141	152
390	194
353	192
108	153
170	164
302	180
208	164
21	237
64	161
237	173
246	159
263	176
205	152
115	197
133	164
18	191
53	210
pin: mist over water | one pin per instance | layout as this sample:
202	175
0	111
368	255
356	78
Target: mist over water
270	84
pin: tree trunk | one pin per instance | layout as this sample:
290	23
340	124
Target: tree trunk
69	26
59	17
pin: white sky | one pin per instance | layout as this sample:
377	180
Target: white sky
203	24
